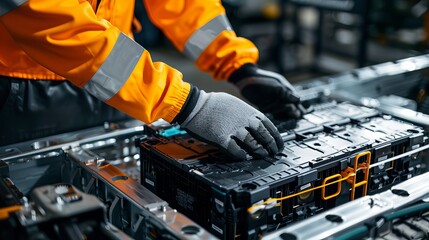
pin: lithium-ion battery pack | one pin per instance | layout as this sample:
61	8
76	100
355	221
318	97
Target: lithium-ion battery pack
336	154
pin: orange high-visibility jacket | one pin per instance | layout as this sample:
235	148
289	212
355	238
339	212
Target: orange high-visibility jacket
92	47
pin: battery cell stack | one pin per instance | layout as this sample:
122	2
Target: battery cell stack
337	153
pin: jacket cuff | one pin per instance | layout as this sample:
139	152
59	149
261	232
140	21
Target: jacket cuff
188	106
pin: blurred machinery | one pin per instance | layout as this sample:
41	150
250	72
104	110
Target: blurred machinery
364	138
324	37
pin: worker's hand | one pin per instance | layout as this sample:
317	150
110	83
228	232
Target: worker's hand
232	125
268	91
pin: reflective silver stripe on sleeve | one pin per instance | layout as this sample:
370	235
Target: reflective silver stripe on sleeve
116	69
202	37
8	5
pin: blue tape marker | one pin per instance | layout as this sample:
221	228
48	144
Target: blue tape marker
171	132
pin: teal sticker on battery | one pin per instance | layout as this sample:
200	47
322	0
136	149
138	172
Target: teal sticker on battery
171	132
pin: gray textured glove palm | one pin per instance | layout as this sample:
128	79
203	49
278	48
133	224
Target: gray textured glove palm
234	126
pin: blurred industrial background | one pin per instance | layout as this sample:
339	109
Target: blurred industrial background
304	39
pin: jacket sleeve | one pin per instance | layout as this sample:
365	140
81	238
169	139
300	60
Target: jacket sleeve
66	37
201	30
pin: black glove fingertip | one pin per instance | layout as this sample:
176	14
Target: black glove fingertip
302	109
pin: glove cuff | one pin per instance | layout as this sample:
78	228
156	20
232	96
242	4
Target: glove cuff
247	70
188	106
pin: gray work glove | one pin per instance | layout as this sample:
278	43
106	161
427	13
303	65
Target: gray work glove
230	124
270	92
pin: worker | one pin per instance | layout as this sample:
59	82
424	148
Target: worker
89	43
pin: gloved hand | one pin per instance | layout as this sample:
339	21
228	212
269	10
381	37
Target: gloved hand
268	91
230	124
